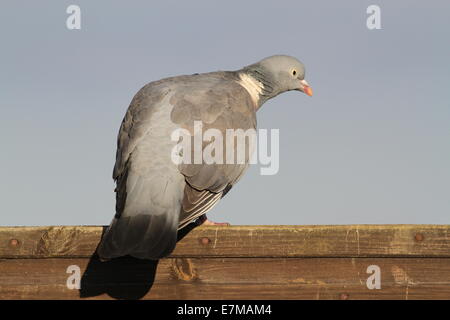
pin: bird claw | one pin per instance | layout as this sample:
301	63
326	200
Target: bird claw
212	223
203	220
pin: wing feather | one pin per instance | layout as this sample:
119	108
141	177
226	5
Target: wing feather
223	105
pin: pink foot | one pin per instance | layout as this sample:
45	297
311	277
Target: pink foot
203	220
212	223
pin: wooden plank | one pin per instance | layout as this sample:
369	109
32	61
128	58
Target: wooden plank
248	241
227	278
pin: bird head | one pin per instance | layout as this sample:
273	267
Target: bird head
278	74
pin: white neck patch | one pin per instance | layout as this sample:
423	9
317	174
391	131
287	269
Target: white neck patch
253	86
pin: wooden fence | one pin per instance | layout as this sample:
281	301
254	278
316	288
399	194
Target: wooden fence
237	262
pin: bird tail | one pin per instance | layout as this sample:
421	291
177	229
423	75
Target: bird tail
143	227
142	236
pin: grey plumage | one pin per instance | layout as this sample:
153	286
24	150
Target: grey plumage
154	196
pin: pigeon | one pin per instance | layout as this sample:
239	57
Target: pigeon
156	197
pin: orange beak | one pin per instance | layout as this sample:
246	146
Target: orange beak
306	88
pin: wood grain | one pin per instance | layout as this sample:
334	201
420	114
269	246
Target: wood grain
229	278
248	241
238	262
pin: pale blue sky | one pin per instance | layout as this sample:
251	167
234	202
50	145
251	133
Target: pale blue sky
371	146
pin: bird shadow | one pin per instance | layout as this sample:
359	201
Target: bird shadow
125	278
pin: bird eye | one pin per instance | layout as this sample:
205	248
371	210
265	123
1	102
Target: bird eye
294	72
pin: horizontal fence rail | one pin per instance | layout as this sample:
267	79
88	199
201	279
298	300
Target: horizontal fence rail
233	262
